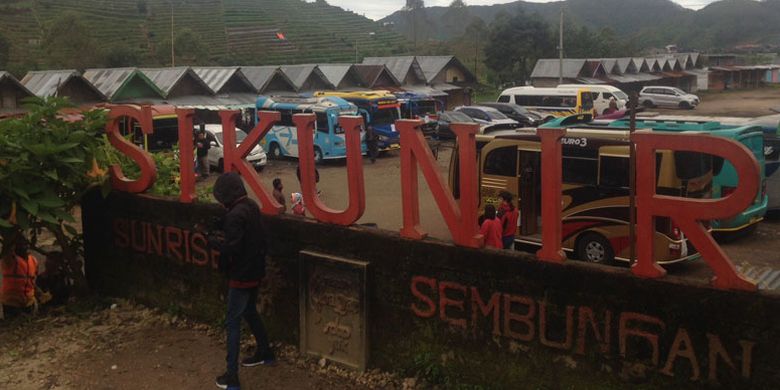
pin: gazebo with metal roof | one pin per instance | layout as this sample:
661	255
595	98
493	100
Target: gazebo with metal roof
124	85
70	83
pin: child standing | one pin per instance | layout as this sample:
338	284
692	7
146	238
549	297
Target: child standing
509	216
296	199
491	228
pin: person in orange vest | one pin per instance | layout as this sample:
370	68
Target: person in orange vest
19	271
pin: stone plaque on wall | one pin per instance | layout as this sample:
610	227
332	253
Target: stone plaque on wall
333	308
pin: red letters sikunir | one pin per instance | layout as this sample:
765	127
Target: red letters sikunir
461	215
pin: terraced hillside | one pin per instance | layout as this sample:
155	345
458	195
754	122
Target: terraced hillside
233	31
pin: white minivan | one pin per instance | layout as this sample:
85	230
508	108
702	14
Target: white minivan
256	157
601	95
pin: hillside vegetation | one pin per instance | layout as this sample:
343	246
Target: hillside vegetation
649	23
54	33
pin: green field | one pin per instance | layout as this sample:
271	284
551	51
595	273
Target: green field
239	32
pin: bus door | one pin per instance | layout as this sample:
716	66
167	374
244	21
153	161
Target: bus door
530	187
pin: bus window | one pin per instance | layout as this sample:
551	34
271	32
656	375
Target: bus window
614	172
503	99
587	101
385	116
502	162
286	118
322	122
692	165
579	170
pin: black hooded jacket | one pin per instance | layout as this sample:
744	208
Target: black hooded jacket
242	255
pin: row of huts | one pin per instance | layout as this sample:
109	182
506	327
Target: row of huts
687	71
443	77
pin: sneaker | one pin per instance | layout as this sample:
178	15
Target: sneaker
258	361
228	381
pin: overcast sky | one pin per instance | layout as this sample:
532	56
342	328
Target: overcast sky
377	9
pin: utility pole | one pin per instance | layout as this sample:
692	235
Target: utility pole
173	54
476	56
560	50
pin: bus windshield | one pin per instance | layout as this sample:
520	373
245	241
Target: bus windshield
385	116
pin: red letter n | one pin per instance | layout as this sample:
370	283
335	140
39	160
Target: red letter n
685	212
234	155
461	218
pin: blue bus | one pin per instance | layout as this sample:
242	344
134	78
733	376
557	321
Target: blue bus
380	110
419	106
329	139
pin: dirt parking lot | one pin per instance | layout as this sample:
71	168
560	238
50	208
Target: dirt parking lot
757	254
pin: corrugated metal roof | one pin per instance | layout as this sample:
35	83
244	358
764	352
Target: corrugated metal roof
424	90
398	66
109	81
259	76
590	80
550	68
624	64
371	73
646	77
167	78
433	65
7	76
335	73
609	64
46	83
626	78
299	74
216	77
640	63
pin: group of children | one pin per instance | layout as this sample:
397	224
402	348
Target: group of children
296	199
499	226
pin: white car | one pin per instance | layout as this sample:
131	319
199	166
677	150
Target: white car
488	118
256	157
653	96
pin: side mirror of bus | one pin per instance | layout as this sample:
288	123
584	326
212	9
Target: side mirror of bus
214	144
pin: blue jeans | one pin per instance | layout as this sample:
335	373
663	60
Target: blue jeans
508	241
241	302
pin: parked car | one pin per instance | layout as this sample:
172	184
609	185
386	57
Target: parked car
518	113
256	157
602	94
667	96
488	118
446	118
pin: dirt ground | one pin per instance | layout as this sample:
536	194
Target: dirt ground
102	345
130	347
740	103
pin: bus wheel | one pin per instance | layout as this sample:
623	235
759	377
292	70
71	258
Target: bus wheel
274	151
594	248
318	156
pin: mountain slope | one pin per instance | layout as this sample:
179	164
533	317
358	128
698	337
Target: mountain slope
651	23
233	31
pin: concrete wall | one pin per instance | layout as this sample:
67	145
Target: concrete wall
456	316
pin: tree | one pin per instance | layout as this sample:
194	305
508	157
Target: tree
189	49
414	4
68	43
46	165
514	44
5	51
121	56
457	4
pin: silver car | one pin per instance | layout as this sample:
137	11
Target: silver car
660	96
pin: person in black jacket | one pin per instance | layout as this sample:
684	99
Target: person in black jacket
242	259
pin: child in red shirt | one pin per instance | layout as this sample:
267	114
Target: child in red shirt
491	228
509	215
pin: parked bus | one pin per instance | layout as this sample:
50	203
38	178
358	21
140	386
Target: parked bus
595	190
166	130
725	176
551	102
419	106
770	124
380	109
329	138
725	180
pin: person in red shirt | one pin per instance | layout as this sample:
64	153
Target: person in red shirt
509	215
491	228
